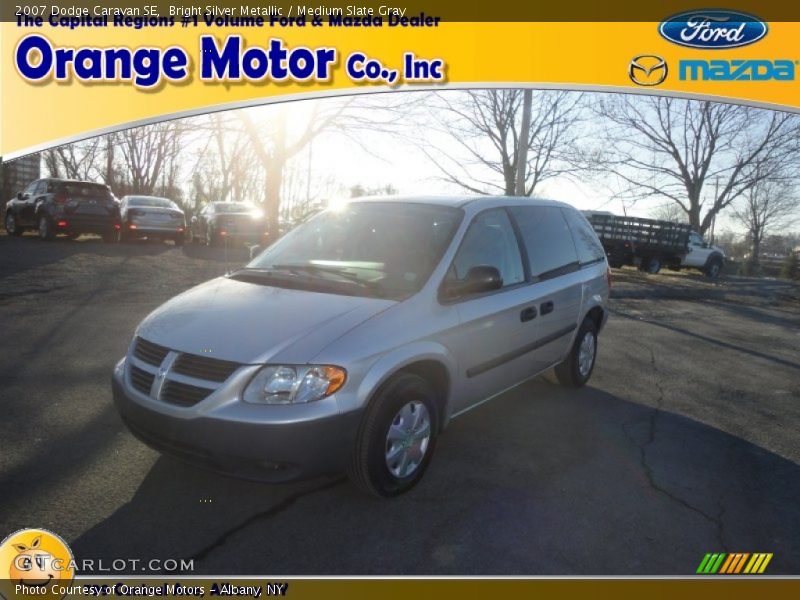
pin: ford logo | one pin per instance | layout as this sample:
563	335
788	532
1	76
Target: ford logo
713	29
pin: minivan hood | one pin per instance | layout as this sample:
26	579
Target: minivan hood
251	323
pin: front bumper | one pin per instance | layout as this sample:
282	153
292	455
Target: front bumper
249	449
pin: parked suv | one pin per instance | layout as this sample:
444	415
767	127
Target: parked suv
64	206
352	341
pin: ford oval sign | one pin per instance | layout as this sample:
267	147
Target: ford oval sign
713	29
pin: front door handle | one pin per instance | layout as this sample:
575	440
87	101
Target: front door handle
527	314
546	307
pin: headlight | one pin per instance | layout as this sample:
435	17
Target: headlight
282	384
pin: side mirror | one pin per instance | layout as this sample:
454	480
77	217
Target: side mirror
255	251
480	279
20	196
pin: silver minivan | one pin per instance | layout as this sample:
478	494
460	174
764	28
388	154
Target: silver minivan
352	341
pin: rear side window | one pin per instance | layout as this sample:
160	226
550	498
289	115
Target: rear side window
547	238
586	242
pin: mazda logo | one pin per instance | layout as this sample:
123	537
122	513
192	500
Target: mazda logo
647	69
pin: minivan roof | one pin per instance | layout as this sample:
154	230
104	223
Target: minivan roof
461	201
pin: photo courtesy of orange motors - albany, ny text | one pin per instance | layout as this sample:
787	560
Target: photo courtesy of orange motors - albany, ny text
399	299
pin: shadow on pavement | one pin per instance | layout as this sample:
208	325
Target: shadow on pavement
539	481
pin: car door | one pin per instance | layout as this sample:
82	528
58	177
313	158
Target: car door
494	327
698	251
557	281
26	209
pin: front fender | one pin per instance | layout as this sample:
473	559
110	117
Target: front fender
389	364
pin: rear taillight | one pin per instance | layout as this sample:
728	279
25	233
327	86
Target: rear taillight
61	223
60	198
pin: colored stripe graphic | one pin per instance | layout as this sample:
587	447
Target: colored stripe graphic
758	563
711	563
734	563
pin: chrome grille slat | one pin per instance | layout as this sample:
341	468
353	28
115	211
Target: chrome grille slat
182	394
141	380
203	367
149	352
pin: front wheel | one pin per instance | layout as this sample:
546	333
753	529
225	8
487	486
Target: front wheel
714	268
11	224
397	437
577	368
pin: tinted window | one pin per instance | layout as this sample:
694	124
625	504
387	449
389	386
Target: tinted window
490	241
586	242
80	189
232	207
31	188
547	238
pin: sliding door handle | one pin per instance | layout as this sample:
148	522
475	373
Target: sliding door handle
527	314
546	307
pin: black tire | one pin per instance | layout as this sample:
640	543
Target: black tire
11	225
45	228
569	372
179	240
615	263
713	268
369	465
652	265
111	238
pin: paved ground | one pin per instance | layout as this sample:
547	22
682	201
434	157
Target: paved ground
685	441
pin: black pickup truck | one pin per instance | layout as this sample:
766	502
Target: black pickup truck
650	244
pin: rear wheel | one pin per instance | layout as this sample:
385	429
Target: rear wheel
179	240
45	228
111	238
397	438
577	368
652	265
11	224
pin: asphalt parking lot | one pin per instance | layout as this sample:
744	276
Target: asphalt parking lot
685	441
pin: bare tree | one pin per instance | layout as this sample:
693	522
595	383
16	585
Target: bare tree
74	161
151	156
671	149
480	134
275	144
765	206
669	211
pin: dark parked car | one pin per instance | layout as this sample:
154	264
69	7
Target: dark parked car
152	217
64	206
220	221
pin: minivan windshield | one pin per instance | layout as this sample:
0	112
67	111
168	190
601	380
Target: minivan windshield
379	249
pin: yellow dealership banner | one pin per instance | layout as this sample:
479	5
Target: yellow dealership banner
71	72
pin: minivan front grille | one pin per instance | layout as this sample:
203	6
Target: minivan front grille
183	394
151	353
203	367
175	377
141	380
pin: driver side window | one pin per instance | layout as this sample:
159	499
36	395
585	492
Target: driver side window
490	241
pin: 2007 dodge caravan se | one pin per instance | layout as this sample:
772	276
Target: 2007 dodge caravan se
353	340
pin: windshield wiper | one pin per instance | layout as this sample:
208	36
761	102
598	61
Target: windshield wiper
332	270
